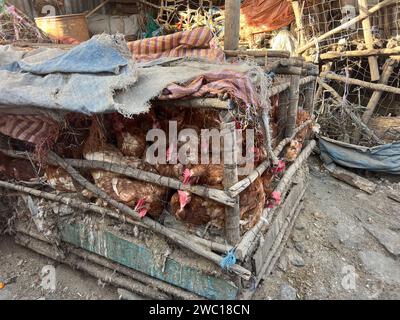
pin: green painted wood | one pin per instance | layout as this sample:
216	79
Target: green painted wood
140	258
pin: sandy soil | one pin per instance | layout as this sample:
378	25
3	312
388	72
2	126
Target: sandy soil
345	245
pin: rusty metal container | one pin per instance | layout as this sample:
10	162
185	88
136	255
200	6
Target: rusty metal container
72	27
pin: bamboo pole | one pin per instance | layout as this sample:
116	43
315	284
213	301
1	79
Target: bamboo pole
299	23
309	97
282	113
369	42
232	214
203	191
153	225
347	24
249	237
331	55
351	114
376	95
232	24
258	53
195	103
293	105
364	84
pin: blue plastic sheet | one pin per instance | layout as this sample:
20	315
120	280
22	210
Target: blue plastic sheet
382	158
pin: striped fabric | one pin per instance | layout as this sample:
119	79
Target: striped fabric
193	43
237	85
36	129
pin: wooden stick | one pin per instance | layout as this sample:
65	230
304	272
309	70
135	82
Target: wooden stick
293	105
369	42
351	114
99	260
250	236
309	97
331	55
282	113
101	5
232	215
376	95
232	24
347	24
153	225
196	103
258	53
299	23
106	275
351	178
368	85
203	191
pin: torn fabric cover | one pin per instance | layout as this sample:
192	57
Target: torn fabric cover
84	79
383	158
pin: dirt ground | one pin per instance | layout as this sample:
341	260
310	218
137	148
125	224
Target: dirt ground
345	245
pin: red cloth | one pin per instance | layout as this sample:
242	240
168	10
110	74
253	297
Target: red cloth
267	15
237	85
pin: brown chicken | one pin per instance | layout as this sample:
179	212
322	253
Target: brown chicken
18	169
197	210
59	179
147	197
205	174
303	116
293	150
131	137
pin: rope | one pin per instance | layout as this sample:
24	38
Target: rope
229	260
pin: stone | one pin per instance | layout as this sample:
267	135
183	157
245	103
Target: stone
299	247
296	260
287	292
283	263
388	238
381	266
299	226
318	215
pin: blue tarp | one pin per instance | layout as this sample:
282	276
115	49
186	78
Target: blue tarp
382	158
84	79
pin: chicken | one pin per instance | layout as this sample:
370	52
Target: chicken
252	202
197	210
59	179
18	169
303	116
131	137
293	150
207	174
147	197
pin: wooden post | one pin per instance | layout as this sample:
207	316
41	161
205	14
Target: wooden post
376	95
293	104
232	24
309	97
299	24
232	214
282	113
366	24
